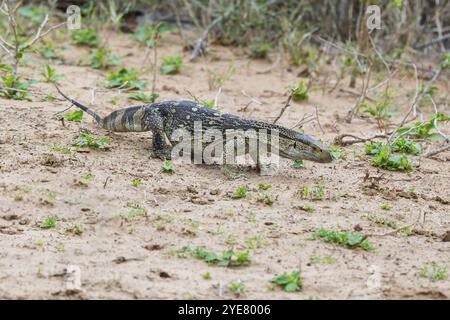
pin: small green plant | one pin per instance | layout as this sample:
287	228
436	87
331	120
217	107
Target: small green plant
298	164
422	129
171	64
50	75
239	193
86	37
433	272
88	176
384	159
48	223
256	242
406	231
322	260
75	229
264	186
102	59
229	258
347	239
168	166
48	51
206	276
125	79
14	88
337	152
146	98
301	92
136	212
145	34
318	192
237	287
75	116
60	148
445	63
386	206
380	112
88	140
266	199
290	282
405	145
136	182
382	221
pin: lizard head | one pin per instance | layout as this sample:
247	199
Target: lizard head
298	146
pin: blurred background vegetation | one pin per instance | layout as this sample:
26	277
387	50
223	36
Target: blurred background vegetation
418	25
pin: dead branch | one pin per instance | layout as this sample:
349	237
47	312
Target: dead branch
318	122
286	105
307	117
199	46
155	58
339	140
361	98
437	40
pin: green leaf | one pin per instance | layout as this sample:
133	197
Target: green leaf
75	116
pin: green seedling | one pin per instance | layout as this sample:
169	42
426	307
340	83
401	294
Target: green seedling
125	79
433	272
86	37
298	164
168	166
346	239
50	75
290	282
48	223
136	182
146	98
102	59
382	221
14	88
88	140
301	92
264	186
239	193
171	65
75	116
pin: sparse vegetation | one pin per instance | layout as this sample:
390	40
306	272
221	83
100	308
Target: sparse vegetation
140	96
228	258
88	140
102	59
433	272
86	37
343	238
378	99
125	79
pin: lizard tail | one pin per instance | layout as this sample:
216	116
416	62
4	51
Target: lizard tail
97	118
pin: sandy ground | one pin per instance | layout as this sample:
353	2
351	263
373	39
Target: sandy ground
118	256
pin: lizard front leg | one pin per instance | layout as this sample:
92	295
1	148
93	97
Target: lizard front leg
161	149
